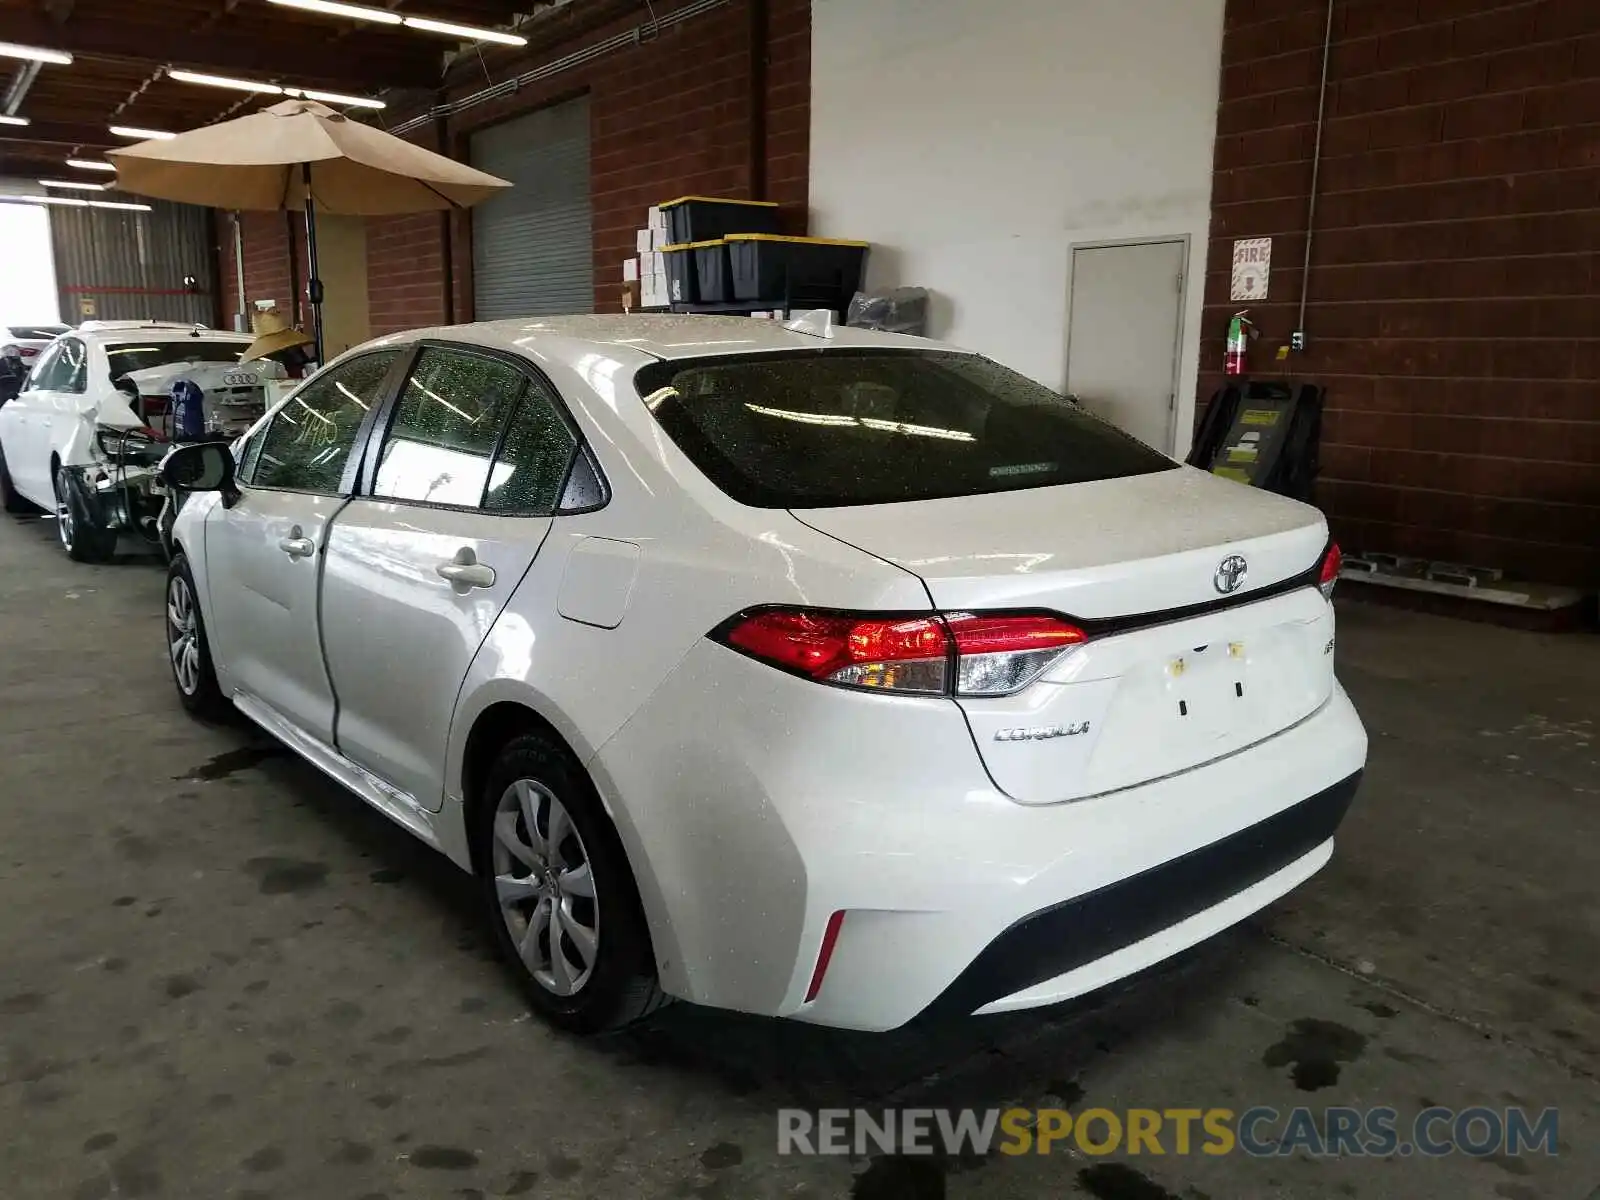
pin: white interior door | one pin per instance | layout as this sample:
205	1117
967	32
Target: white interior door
1122	344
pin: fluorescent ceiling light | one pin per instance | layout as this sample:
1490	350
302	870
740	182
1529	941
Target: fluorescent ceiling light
335	98
78	185
272	89
358	12
34	54
224	81
67	202
141	135
465	31
5	120
89	164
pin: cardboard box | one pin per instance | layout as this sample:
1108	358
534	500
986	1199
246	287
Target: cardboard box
650	261
658	239
630	270
656	219
642	240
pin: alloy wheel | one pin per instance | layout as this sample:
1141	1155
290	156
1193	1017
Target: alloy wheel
65	526
545	885
183	635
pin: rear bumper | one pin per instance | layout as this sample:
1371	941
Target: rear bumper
1042	958
753	806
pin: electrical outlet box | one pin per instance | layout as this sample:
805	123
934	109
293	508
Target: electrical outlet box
1297	340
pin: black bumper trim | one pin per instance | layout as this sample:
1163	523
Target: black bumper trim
1072	934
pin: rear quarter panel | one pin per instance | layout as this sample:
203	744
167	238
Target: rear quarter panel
701	559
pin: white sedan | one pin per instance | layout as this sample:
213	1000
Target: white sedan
82	442
803	671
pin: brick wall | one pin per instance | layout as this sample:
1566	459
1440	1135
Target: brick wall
268	245
405	272
1454	304
674	115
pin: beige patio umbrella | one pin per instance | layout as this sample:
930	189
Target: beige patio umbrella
301	153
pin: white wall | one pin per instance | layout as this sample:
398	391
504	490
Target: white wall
973	143
29	295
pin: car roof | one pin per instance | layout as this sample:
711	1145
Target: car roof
661	335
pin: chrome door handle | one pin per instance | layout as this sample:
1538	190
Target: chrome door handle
297	545
465	572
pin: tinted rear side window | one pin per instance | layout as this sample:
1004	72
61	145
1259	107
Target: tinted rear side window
815	429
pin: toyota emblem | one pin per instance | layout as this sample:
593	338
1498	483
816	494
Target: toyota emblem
1230	574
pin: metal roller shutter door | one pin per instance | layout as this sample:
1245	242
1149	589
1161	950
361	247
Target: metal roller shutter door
532	247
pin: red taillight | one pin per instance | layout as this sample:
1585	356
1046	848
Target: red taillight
1332	560
907	654
830	937
993	654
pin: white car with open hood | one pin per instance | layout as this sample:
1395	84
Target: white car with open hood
816	673
85	436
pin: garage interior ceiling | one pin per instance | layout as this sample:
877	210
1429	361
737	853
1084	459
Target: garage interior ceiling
122	52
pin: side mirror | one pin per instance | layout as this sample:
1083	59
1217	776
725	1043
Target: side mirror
201	467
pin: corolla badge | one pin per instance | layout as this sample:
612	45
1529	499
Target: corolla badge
1230	574
1042	733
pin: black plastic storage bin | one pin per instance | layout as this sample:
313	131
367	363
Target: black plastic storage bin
701	218
682	285
712	271
769	267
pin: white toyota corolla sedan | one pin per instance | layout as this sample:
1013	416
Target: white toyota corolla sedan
801	671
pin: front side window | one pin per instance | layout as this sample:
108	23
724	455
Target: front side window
817	429
447	426
308	442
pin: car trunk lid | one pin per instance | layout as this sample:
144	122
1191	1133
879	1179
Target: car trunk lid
1206	635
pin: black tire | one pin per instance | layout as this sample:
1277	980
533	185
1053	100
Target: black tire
81	537
200	695
10	499
622	986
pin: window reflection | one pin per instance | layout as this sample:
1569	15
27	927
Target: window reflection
445	430
472	430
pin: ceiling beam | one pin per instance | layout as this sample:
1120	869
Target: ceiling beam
40	164
55	133
301	60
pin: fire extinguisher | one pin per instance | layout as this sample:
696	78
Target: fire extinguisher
1240	330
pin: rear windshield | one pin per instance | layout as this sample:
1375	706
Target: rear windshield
817	429
37	333
136	356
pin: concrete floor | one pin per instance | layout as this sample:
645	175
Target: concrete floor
220	976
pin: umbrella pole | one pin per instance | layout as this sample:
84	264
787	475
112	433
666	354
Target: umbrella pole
314	282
